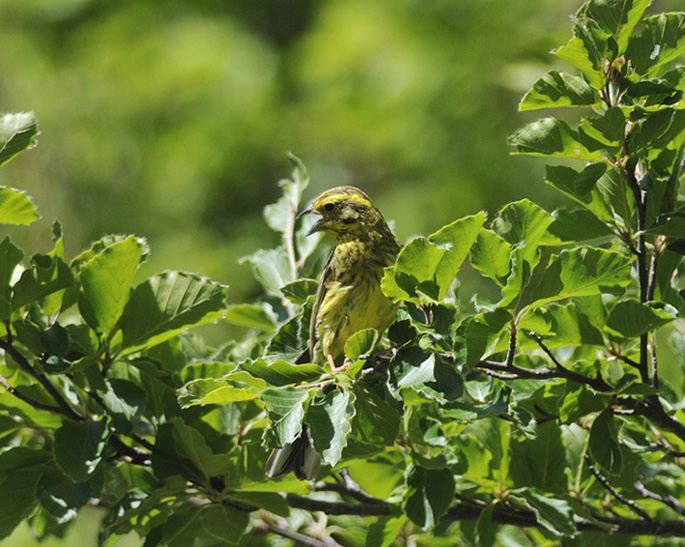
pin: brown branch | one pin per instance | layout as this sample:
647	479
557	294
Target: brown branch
667	500
620	497
656	414
299	539
382	509
35	404
64	407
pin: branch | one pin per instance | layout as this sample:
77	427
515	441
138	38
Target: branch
657	415
299	539
347	487
64	407
620	497
668	500
380	509
35	404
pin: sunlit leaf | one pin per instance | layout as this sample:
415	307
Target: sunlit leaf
558	89
17	133
551	137
16	207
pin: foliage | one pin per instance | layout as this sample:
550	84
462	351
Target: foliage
551	414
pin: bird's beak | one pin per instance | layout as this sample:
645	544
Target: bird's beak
317	225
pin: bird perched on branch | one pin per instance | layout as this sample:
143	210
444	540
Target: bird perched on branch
348	299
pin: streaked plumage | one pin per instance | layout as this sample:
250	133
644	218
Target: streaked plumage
348	298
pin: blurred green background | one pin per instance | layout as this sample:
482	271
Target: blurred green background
172	120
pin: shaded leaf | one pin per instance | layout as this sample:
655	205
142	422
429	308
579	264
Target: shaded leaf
429	494
285	407
329	423
630	318
80	447
10	257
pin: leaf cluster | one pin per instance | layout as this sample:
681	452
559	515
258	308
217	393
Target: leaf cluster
551	413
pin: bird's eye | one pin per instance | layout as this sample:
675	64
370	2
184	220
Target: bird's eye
329	206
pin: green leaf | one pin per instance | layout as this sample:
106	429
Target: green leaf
540	462
558	89
561	325
191	445
555	514
235	387
45	276
428	265
585	271
271	268
656	129
494	435
17	133
616	17
490	256
329	423
59	495
280	373
630	318
523	223
251	316
384	531
298	291
101	244
10	257
375	420
587	51
457	239
429	494
361	343
285	407
167	304
19	490
670	224
80	447
603	443
280	216
551	137
482	332
55	340
106	281
124	400
16	207
661	41
574	226
608	129
222	524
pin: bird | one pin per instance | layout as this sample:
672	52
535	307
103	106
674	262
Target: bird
348	299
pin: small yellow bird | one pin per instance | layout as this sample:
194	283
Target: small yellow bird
348	299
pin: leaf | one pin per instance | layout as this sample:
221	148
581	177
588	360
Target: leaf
603	442
60	496
45	276
285	407
630	318
361	343
299	290
428	265
329	423
586	51
251	316
540	462
556	89
429	495
490	256
574	226
616	17
384	531
670	225
457	238
17	133
210	391
190	444
80	447
16	207
55	340
101	244
656	129
124	400
223	524
106	281
585	271
167	304
555	514
10	257
551	137
280	216
523	223
271	268
280	373
661	41
482	331
375	420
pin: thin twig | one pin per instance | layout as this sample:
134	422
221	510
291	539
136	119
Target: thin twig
35	404
668	500
620	497
299	539
347	487
65	408
511	350
382	509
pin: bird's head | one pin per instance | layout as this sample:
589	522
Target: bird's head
346	213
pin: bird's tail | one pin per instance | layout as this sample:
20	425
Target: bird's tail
298	456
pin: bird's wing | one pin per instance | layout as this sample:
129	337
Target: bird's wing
318	299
